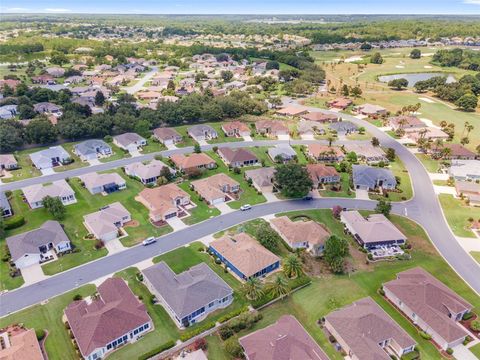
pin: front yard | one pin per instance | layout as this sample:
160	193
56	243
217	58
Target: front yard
26	169
458	214
405	185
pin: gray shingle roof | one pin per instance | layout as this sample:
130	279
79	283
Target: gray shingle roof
90	147
368	175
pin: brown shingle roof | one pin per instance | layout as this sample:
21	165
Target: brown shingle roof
318	171
160	200
164	133
194	160
235	125
300	231
237	155
211	188
22	345
320	117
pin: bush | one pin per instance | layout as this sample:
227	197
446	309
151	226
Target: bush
40	333
233	347
475	325
157	350
77	297
381	292
425	335
232	314
191	333
139	276
467	316
152	299
99	244
449	351
225	332
14	222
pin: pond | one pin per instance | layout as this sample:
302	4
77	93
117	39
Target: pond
413	78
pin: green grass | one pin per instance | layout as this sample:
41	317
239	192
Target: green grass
117	154
26	169
76	164
406	191
475	350
344	192
458	214
153	146
222	138
431	165
476	255
49	317
215	348
202	211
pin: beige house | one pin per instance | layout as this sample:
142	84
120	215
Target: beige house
326	153
322	174
105	224
236	129
97	183
164	202
216	189
469	190
193	162
34	194
262	178
147	173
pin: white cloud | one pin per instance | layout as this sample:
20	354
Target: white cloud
14	9
472	2
57	10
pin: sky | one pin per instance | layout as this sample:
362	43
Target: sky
467	7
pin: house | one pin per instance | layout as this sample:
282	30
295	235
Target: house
272	128
450	151
281	153
216	189
322	174
147	173
115	317
343	127
367	152
167	136
465	170
8	162
237	157
236	129
372	232
291	111
11	83
107	183
55	71
404	122
325	153
339	103
190	296
92	149
244	256
48	108
34	194
262	179
164	202
51	157
105	223
469	190
45	79
5	208
427	133
430	305
37	246
202	132
193	162
8	111
372	178
300	234
365	331
286	339
19	343
307	127
370	110
129	141
320	117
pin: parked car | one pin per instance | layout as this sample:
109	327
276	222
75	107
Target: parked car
245	207
308	197
148	241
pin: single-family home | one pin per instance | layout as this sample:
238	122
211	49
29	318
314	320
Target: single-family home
430	305
404	122
286	339
322	174
115	317
325	153
147	173
370	110
105	224
320	117
469	190
202	132
281	153
236	129
193	162
51	157
55	71
107	183
190	296
372	232
129	141
427	133
373	178
237	157
45	79
262	178
271	128
244	256
343	127
301	234
450	151
167	136
8	162
34	194
164	202
92	149
48	108
5	208
217	188
36	246
291	111
339	103
365	331
11	83
367	152
465	170
19	343
308	127
8	111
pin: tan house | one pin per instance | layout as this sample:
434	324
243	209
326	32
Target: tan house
216	189
19	343
430	305
193	162
370	110
167	136
107	183
164	202
8	162
236	129
291	111
271	128
340	103
308	235
469	190
367	152
237	157
365	331
147	173
262	178
322	174
405	122
105	224
320	117
326	153
34	194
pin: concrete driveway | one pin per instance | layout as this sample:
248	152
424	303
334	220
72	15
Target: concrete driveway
114	246
247	138
48	171
270	196
224	208
94	162
361	194
176	223
33	274
460	352
284	137
307	137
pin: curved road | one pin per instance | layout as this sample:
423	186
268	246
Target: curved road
424	208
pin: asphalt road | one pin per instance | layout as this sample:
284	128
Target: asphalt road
424	209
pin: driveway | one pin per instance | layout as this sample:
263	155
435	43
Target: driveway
224	208
307	137
176	223
114	246
48	171
171	147
270	196
284	137
247	138
94	162
444	190
33	274
361	194
139	84
460	352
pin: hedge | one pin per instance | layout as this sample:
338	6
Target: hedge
14	222
294	284
157	350
192	333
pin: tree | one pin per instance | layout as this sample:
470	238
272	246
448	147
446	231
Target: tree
293	180
376	58
166	173
40	131
383	207
467	102
275	101
345	90
365	47
232	346
398	84
292	266
197	149
272	65
336	211
268	238
226	75
59	58
142	127
55	207
356	91
11	135
278	286
375	141
253	288
415	54
99	98
390	154
336	249
26	111
352	157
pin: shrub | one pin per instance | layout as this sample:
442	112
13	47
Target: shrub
99	244
139	276
189	334
467	316
225	332
449	351
232	314
232	347
14	222
200	344
475	325
236	170
425	335
40	333
77	297
381	292
157	350
152	299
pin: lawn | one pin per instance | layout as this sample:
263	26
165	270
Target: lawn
49	317
26	169
344	192
153	146
476	350
406	191
431	165
117	154
76	164
476	255
202	211
457	215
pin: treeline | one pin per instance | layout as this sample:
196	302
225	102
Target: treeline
464	59
7	49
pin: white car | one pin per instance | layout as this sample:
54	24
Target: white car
245	207
148	241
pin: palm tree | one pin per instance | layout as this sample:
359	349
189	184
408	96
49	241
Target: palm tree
278	287
330	139
292	266
253	288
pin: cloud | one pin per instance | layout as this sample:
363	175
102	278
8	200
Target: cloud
14	9
57	10
472	2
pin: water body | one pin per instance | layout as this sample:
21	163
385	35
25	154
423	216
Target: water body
413	78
